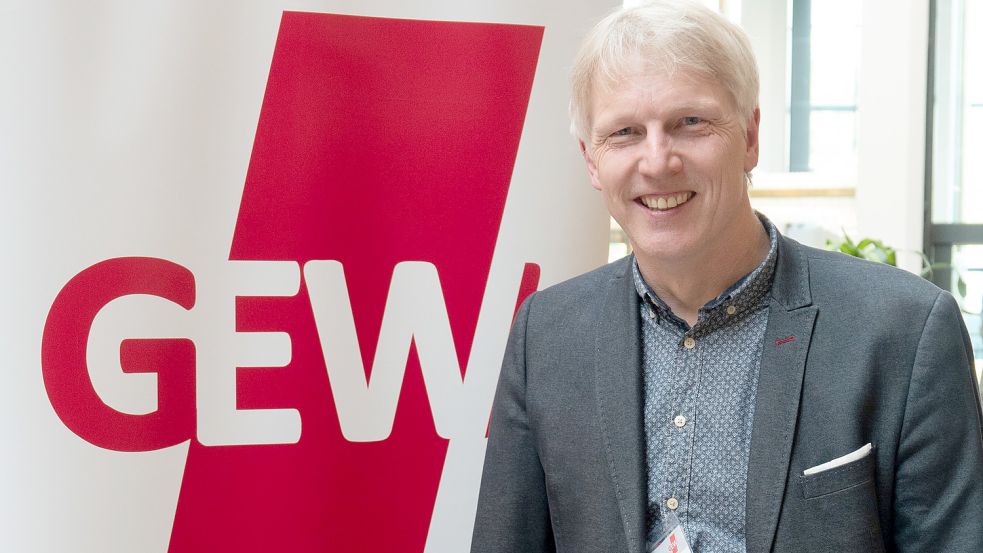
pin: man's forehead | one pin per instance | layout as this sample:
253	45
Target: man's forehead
655	80
615	76
637	78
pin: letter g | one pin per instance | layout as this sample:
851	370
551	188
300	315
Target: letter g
66	374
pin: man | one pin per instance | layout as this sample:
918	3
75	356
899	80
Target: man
724	384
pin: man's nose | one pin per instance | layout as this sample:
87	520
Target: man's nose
659	157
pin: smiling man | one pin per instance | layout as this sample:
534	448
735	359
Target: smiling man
670	152
723	389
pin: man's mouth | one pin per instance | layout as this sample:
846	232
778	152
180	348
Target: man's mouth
666	201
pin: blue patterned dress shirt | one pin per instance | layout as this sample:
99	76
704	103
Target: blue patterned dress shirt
700	388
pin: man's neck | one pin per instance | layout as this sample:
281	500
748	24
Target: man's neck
687	284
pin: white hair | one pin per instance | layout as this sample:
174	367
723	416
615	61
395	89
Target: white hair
670	35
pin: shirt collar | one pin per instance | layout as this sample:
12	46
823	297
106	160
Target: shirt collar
740	297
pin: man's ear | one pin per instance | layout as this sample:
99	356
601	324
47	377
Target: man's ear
751	155
591	168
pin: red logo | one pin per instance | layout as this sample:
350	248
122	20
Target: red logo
382	160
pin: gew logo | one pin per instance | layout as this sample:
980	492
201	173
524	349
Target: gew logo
324	373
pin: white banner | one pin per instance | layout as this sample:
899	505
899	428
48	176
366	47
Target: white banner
261	261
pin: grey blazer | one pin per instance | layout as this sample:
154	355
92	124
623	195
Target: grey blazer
878	355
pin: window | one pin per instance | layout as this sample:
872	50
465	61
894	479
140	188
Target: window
824	67
954	183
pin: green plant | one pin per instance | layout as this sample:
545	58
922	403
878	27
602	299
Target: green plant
875	250
868	248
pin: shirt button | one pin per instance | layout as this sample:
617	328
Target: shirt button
672	503
731	310
679	421
689	342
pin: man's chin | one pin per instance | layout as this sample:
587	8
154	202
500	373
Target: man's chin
662	250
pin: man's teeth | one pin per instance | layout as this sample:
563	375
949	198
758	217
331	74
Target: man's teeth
662	203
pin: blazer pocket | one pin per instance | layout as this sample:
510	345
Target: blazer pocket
840	478
836	510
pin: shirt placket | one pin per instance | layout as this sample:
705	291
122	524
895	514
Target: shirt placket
681	427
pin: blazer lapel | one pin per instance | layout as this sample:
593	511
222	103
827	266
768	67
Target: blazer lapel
618	387
790	321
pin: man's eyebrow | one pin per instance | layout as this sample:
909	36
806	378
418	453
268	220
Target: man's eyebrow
615	120
627	116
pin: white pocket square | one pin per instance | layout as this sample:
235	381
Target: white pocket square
840	461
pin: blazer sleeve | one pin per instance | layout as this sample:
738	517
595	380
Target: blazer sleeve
513	512
939	472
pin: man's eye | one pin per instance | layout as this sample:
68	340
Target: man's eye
622	132
692	120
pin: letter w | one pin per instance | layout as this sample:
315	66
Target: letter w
415	312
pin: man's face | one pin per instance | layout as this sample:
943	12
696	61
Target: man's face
669	154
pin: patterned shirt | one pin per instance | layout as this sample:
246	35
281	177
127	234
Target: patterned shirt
700	389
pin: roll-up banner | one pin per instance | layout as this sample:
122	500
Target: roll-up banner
261	260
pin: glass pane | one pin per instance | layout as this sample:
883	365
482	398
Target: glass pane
835	43
971	207
968	267
957	167
823	102
833	147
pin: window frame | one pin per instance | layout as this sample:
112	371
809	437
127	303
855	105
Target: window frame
939	238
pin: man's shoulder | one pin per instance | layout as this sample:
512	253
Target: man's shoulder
591	282
835	275
578	298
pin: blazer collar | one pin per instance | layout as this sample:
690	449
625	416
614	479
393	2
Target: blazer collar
791	285
791	317
619	394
